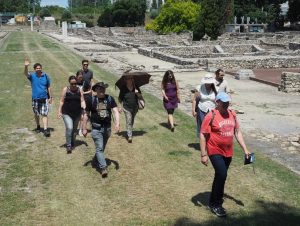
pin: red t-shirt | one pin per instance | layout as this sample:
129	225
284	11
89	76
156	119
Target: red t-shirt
219	136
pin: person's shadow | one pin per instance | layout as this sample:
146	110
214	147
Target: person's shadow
196	146
134	133
76	144
95	165
201	199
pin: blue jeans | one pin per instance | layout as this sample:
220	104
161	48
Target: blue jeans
221	165
71	129
100	137
200	117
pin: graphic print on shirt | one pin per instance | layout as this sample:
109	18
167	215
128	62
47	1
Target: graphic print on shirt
227	128
102	109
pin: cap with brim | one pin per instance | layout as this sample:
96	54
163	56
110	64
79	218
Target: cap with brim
208	79
99	84
224	97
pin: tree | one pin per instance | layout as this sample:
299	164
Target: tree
212	18
44	12
175	16
294	12
66	16
124	13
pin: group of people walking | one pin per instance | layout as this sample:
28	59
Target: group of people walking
84	100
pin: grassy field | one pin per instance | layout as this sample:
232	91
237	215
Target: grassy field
156	180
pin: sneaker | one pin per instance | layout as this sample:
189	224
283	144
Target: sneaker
69	149
129	139
103	172
46	133
38	129
219	211
172	129
80	133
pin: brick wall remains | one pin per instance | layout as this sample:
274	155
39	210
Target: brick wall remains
290	82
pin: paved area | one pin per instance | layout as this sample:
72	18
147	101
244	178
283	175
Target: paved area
271	119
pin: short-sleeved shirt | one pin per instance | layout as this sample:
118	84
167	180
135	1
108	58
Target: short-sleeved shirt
87	76
219	135
39	85
100	109
222	86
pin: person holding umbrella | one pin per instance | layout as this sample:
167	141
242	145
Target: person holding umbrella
129	94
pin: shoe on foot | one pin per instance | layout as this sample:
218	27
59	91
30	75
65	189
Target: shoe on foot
69	149
219	211
80	133
172	129
129	139
104	172
46	133
38	129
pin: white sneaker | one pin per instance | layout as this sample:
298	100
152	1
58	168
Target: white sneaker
80	133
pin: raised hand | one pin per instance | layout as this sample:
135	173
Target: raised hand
26	62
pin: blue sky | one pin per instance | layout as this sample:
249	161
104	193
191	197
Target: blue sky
62	3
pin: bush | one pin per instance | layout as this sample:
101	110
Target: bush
66	16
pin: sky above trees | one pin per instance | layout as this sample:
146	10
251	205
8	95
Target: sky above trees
62	3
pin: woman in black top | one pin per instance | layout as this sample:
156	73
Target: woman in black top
128	99
70	107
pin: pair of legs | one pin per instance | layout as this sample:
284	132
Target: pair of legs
100	137
171	118
71	125
200	116
221	165
129	117
40	107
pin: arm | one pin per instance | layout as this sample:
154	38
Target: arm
61	102
177	91
82	101
84	122
195	96
50	94
163	92
117	118
204	156
240	139
26	64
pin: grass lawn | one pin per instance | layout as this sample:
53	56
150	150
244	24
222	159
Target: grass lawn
156	180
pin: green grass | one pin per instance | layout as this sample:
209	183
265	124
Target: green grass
160	180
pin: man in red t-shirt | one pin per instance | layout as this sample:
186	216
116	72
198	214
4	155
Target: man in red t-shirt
216	142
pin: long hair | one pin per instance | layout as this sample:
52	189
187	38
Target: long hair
167	78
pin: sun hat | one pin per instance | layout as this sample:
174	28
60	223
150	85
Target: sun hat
99	84
224	97
208	79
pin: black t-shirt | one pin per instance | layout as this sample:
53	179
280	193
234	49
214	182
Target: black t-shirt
100	109
129	99
72	103
87	76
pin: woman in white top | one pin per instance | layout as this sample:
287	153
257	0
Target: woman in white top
204	100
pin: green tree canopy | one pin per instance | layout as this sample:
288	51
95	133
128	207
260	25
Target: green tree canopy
294	10
175	16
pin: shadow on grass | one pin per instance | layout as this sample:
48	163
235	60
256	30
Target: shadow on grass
134	133
266	213
95	165
76	144
201	199
196	146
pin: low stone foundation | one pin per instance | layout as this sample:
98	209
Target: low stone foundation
290	82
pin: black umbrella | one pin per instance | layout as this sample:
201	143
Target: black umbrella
140	79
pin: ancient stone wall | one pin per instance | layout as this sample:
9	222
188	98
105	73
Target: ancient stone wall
237	49
290	82
294	46
252	62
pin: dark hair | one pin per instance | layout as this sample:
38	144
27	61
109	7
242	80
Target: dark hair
78	73
36	64
166	78
72	77
218	71
84	61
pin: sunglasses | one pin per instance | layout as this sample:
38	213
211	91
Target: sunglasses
73	83
85	64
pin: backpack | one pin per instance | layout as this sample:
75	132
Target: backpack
101	108
48	84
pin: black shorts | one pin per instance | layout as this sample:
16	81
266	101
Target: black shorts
170	111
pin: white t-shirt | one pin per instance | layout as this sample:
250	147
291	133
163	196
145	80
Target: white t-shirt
222	87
